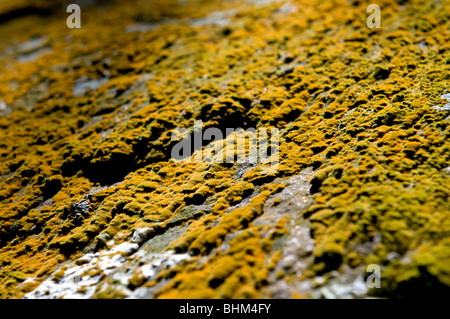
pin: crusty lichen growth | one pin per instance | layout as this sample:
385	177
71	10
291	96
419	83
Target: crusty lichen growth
353	103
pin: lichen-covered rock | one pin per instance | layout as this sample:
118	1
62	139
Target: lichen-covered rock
92	204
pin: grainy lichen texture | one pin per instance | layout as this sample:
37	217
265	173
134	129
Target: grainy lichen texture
92	204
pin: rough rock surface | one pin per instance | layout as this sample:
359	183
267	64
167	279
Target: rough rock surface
93	206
